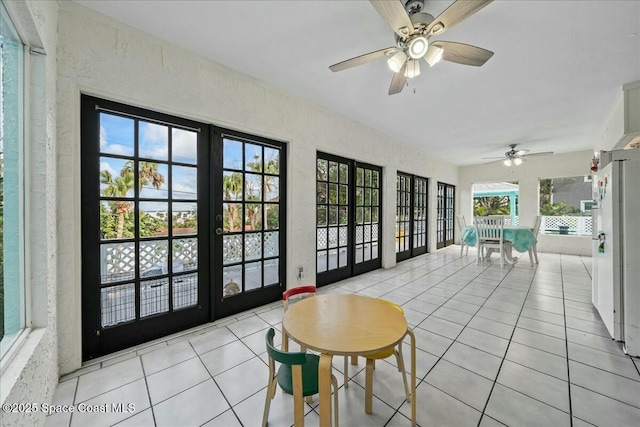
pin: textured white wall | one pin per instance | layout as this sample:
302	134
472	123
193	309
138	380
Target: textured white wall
102	57
528	175
32	375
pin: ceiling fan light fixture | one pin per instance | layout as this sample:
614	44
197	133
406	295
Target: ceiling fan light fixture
517	161
507	162
397	61
418	46
413	68
433	55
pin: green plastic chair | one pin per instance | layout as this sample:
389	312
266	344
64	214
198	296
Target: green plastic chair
298	376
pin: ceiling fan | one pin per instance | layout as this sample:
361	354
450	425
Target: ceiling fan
516	157
413	29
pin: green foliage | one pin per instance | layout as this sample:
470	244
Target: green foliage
547	188
496	205
558	209
116	221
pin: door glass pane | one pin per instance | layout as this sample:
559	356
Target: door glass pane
185	254
154	219
232	186
271	161
232	280
253	187
232	248
117	304
253	157
153	258
116	177
253	217
153	142
184	148
152	180
271	216
154	297
116	134
117	262
232	154
271	244
184	182
252	246
232	216
185	291
271	269
253	275
184	219
271	188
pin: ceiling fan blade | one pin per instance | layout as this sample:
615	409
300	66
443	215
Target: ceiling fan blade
362	59
465	54
393	12
398	82
495	157
542	153
457	12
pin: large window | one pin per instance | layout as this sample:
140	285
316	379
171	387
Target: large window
12	305
497	198
565	206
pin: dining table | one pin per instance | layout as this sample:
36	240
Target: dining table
348	325
521	237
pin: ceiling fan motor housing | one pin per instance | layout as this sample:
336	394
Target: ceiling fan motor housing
420	23
414	6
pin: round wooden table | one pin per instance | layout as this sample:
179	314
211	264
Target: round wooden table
347	325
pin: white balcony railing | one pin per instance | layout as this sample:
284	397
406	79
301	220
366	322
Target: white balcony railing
566	225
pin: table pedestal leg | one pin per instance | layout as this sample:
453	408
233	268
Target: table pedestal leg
368	389
324	386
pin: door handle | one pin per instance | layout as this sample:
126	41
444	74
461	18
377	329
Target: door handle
219	231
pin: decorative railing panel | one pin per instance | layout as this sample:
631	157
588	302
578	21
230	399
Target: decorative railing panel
566	225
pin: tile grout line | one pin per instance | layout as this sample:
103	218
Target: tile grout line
216	383
507	349
146	385
566	343
424	380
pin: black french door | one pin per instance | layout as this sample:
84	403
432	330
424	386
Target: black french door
348	218
411	216
173	211
445	208
248	213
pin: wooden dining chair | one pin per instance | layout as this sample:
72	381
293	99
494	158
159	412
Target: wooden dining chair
533	250
298	376
462	223
490	235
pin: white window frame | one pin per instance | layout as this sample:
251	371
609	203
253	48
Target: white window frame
11	342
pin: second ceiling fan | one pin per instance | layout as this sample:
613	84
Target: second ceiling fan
413	29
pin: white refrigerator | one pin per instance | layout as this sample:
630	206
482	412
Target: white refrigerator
616	245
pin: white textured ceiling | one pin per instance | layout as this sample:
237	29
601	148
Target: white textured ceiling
557	71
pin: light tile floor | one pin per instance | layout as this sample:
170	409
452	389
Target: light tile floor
517	346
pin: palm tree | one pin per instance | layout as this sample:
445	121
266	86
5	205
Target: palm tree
232	187
271	166
120	186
